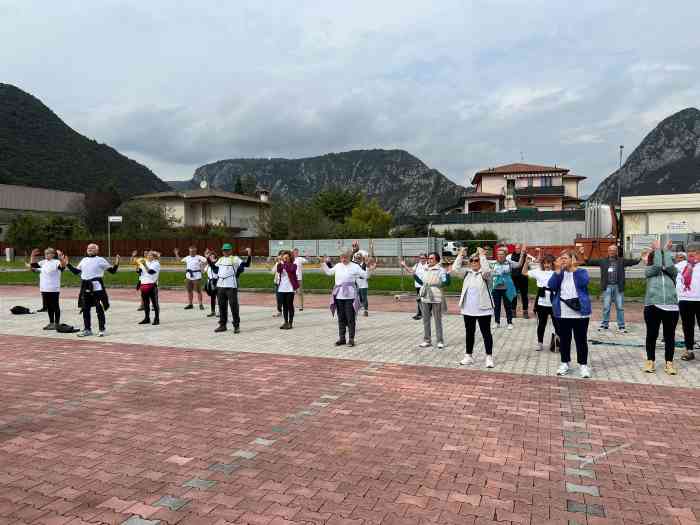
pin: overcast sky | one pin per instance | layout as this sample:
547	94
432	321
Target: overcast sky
463	85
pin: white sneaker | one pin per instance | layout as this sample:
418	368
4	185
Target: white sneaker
510	326
489	362
102	333
425	344
496	325
85	333
468	360
539	347
622	330
441	345
563	369
585	371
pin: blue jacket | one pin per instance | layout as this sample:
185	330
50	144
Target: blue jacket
581	279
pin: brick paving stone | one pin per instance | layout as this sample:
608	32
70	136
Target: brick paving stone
199	483
135	520
171	503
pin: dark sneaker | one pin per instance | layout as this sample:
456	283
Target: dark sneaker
145	321
236	330
156	322
213	314
220	328
201	307
340	342
189	307
351	342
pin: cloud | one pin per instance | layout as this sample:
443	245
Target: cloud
462	85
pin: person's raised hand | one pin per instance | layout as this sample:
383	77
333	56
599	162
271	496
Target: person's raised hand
656	244
669	244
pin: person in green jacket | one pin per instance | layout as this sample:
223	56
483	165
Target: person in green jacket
660	305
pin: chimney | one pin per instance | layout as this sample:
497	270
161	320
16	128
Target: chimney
263	195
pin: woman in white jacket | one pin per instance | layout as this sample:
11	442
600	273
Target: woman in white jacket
688	288
476	303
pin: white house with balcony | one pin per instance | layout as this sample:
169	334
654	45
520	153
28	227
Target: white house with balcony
202	207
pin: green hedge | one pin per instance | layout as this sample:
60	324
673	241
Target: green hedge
312	281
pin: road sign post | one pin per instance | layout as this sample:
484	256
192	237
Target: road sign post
110	220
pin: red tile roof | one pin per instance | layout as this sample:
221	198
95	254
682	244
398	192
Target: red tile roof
518	168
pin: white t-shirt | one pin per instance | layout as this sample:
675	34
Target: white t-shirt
694	293
542	277
300	262
49	275
227	271
345	274
471	305
418	270
194	264
568	291
150	278
285	284
362	281
92	268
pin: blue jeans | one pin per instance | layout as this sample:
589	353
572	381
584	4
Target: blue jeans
613	293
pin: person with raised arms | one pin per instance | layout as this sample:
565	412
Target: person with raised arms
300	261
344	296
288	285
194	266
502	286
543	300
149	272
688	288
210	285
49	269
93	294
229	268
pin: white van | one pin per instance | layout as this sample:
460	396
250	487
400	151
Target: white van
451	248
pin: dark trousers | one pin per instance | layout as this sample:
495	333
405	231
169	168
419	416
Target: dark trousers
690	316
499	296
278	299
520	282
418	301
579	328
655	317
149	299
228	298
346	317
544	312
212	300
363	298
484	321
213	295
91	300
287	299
50	302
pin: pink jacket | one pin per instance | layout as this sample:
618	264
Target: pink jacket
291	270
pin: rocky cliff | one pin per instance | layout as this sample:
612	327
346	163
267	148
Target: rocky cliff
401	182
667	161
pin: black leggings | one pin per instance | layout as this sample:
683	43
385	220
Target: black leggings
521	284
287	300
499	296
90	300
50	302
485	329
690	315
151	298
579	328
278	299
346	317
654	317
543	312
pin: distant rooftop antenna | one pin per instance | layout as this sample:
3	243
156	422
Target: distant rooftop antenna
522	157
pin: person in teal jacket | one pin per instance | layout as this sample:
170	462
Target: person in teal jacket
660	305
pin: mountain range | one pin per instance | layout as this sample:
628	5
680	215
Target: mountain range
38	149
667	161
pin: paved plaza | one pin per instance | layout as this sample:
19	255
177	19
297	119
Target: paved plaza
176	424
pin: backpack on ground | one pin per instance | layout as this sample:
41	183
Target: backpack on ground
63	328
20	310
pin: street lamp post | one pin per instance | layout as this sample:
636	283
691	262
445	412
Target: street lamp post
620	229
619	176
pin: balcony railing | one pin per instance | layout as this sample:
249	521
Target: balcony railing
536	191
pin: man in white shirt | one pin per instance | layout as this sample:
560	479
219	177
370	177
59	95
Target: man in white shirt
229	268
194	266
91	270
418	269
300	262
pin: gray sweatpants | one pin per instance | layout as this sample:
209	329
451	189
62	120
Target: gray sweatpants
436	310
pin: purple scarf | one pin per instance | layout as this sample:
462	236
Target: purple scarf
334	293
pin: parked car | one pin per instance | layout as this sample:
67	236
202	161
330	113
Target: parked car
451	248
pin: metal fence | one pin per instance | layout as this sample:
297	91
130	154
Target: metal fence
400	247
637	243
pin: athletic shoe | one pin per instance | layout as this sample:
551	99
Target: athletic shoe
649	366
50	326
236	330
539	347
213	314
189	307
365	313
468	360
201	307
156	321
417	317
585	372
340	342
622	330
510	326
145	321
425	344
563	369
441	345
42	309
85	333
301	308
601	328
670	369
351	342
102	333
688	355
220	328
489	362
140	309
276	314
284	326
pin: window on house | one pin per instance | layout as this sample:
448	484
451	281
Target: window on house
530	182
546	181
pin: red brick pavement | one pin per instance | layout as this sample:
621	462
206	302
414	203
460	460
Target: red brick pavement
99	432
380	303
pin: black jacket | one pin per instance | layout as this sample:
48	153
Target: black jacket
604	265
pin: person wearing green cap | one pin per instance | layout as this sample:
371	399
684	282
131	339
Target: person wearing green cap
229	268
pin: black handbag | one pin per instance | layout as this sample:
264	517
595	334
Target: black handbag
574	303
